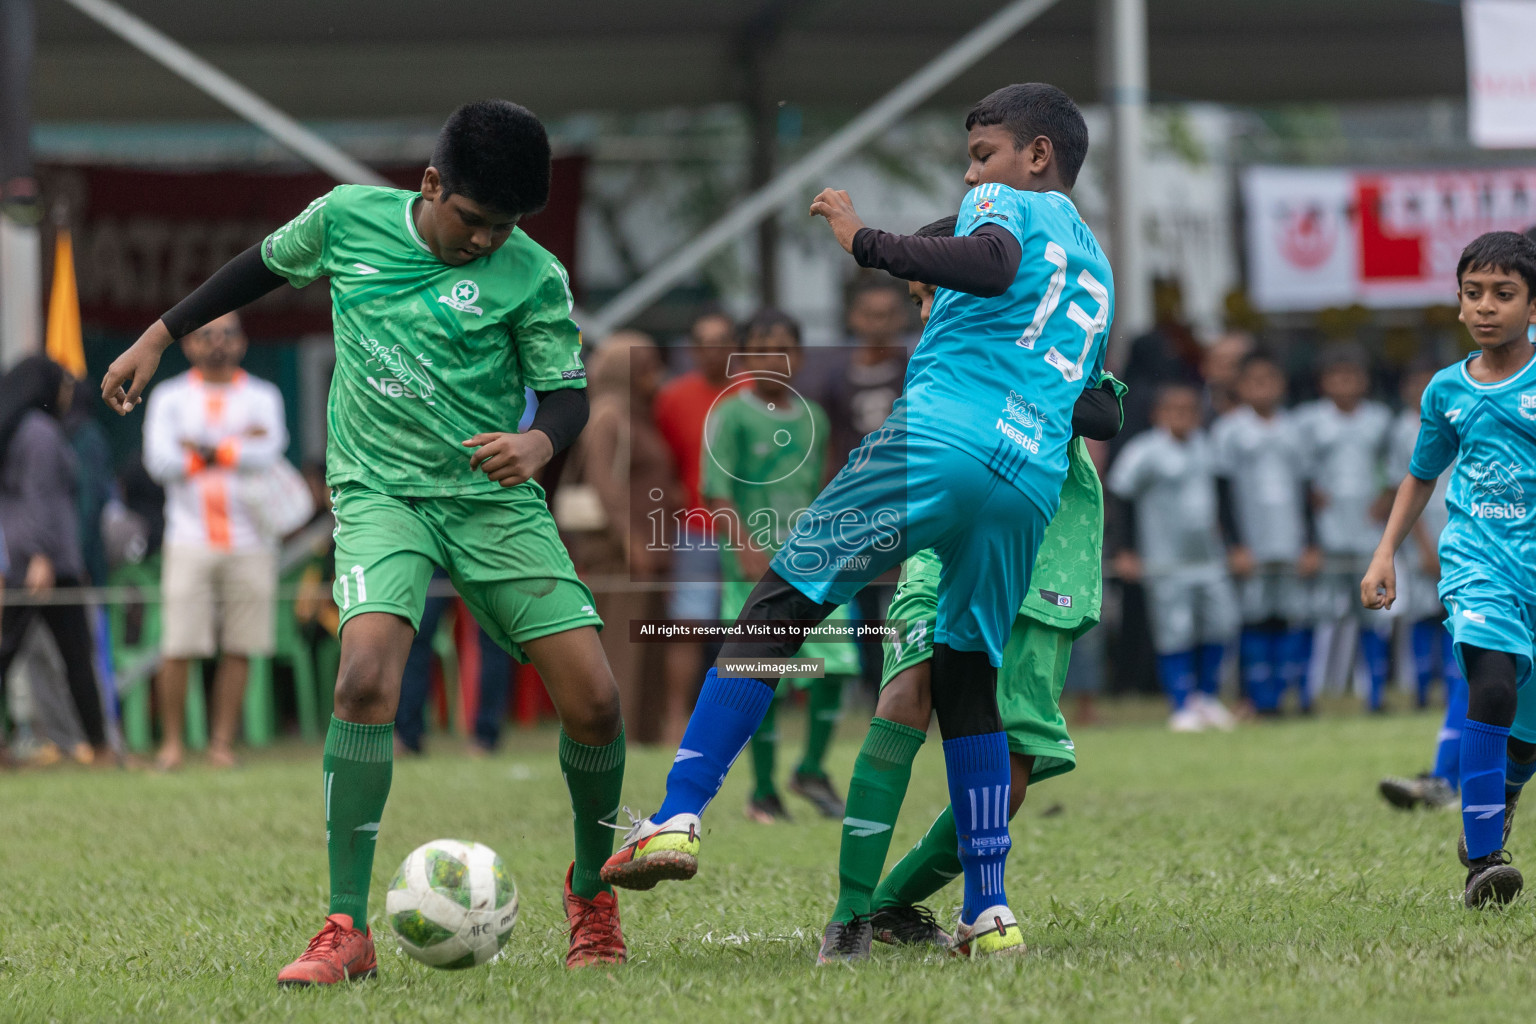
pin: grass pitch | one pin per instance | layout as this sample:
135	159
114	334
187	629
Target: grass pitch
1247	877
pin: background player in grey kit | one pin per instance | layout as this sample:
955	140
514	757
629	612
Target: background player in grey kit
1346	437
1261	467
1418	578
1165	479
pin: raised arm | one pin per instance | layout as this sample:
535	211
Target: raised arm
242	280
982	263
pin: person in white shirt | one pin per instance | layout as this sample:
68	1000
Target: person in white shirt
208	435
1261	479
1346	437
1165	480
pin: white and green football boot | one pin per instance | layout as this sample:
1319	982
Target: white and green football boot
994	933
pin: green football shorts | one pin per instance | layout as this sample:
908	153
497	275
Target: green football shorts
1028	685
500	549
841	657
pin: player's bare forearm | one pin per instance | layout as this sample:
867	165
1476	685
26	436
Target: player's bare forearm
837	208
1413	495
123	386
1379	587
510	458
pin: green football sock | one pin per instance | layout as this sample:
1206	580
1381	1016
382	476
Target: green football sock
881	773
765	743
823	707
359	761
928	867
595	778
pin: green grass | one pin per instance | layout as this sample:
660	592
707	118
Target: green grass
1248	877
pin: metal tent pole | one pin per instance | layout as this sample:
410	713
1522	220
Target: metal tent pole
21	272
767	201
227	91
1125	22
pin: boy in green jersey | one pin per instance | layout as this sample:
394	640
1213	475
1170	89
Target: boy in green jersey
1063	603
443	313
764	461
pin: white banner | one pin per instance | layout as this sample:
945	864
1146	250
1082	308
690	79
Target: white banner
1320	237
1501	72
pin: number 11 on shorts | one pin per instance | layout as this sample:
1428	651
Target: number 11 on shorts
346	589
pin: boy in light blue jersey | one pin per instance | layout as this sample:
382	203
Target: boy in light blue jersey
1480	417
970	463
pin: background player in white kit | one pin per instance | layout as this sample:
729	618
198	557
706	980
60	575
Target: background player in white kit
1346	436
1418	582
1261	481
1165	479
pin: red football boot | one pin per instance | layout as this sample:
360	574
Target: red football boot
339	953
594	928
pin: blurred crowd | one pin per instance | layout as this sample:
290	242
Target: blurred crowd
1244	496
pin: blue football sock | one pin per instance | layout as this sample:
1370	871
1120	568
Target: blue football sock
1260	676
979	777
1295	659
1421	637
1516	775
727	714
1208	673
1483	754
1373	648
1448	746
1176	672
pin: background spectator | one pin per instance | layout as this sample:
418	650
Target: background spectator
38	514
207	432
623	457
681	406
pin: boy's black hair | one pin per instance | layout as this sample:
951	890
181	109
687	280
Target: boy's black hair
1256	357
1348	355
944	227
765	320
1501	250
1035	109
496	153
1168	390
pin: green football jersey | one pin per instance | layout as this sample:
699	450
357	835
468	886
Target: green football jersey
767	461
427	355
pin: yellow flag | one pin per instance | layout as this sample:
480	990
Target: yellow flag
65	346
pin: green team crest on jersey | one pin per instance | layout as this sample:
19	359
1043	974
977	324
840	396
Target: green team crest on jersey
427	354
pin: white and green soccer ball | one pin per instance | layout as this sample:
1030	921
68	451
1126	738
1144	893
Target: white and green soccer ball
452	904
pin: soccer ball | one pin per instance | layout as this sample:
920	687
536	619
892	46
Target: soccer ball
452	904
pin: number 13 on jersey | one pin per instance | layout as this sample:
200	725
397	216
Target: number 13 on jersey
1092	324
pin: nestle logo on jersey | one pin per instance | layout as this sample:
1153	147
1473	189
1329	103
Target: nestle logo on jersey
1024	413
1495	510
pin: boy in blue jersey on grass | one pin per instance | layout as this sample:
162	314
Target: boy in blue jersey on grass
970	463
1480	416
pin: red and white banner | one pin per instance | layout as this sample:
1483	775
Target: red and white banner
1501	72
1320	237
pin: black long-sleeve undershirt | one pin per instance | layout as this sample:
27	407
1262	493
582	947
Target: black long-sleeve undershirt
242	280
1096	414
983	263
561	414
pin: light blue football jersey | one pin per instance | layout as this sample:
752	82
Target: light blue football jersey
1488	431
998	377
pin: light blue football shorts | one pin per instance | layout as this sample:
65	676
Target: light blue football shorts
900	493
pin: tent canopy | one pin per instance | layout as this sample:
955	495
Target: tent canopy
329	59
